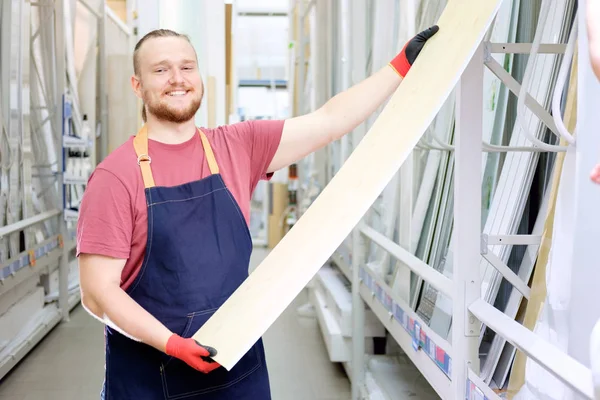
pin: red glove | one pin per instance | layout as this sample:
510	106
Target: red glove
192	353
405	59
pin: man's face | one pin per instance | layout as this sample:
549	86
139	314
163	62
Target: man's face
169	81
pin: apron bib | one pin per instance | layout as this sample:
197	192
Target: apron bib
197	254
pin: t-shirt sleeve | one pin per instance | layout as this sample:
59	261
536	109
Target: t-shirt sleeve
105	224
265	136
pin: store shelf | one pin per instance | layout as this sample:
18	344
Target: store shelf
339	346
71	215
429	352
278	83
39	326
29	263
338	299
342	262
69	179
478	390
395	377
71	142
337	350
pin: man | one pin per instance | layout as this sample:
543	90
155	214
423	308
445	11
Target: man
162	235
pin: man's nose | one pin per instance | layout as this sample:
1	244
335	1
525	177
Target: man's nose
176	76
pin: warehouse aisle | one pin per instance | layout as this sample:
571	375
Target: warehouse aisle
68	364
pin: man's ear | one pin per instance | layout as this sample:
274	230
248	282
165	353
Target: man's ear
136	86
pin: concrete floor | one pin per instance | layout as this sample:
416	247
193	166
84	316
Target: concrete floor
69	363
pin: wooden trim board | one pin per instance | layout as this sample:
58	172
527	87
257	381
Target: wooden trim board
274	284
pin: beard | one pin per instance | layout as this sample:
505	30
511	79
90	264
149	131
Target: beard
165	112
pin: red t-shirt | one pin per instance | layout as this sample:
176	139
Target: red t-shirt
113	218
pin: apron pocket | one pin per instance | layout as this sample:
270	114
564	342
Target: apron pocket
180	380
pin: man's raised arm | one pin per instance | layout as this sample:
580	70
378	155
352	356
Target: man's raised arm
345	111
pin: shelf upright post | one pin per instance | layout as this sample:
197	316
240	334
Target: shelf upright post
357	71
60	71
358	314
320	81
301	66
6	37
25	100
14	122
102	152
467	223
344	21
358	56
405	181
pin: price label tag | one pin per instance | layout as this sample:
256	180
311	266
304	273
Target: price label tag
416	336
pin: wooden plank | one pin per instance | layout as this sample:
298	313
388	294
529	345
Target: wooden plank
257	303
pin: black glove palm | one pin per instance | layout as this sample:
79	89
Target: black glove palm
415	45
403	61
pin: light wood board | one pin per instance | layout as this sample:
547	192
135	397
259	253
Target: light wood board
259	301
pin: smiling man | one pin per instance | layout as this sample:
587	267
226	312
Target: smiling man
163	235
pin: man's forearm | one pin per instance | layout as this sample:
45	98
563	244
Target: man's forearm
350	108
126	315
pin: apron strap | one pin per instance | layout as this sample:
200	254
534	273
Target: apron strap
210	157
140	144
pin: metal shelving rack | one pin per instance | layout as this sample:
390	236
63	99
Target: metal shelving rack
43	255
452	369
41	259
70	141
447	367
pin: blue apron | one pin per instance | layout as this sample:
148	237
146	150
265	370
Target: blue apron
197	254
